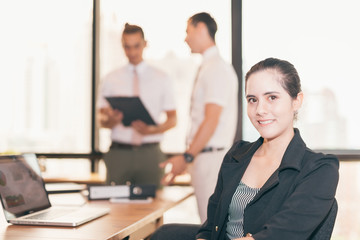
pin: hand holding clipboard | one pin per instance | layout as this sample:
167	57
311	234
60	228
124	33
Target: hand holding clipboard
132	108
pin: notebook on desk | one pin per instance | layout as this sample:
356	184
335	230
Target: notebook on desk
25	200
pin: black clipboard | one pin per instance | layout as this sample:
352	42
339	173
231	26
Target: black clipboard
132	109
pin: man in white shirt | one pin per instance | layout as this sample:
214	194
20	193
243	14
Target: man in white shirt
214	107
135	153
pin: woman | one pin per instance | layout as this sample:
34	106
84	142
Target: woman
274	188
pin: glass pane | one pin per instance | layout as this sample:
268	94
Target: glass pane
165	30
321	38
45	76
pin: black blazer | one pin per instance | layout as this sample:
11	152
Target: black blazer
290	205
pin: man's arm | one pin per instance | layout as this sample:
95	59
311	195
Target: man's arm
206	129
145	129
201	138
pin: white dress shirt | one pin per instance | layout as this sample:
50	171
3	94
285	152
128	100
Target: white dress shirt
216	83
156	93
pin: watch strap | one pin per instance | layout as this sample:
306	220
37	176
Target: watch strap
189	158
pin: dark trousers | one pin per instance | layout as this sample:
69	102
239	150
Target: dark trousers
176	232
137	165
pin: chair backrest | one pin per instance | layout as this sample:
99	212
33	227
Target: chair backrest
325	229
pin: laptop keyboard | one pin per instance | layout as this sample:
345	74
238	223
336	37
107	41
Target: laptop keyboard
49	215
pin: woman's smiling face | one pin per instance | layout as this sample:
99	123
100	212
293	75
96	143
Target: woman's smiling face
270	108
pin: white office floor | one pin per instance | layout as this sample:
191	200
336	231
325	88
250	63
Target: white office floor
347	225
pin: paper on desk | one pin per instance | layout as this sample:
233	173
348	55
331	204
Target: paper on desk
67	199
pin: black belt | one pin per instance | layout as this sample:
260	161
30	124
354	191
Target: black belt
130	146
212	149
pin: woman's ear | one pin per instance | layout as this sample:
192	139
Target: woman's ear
297	102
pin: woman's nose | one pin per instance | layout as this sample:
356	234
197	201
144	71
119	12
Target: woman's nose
261	108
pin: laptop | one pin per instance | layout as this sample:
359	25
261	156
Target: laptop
25	201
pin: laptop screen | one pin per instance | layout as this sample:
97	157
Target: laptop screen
21	188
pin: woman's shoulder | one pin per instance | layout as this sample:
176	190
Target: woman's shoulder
241	144
316	159
238	149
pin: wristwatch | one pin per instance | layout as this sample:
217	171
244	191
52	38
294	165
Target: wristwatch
189	158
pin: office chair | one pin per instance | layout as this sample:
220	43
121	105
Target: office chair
325	229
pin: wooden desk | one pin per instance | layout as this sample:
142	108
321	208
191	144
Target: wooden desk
126	220
96	179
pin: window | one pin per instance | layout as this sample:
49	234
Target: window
165	31
321	39
45	76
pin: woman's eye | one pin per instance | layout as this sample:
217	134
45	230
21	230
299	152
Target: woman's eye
251	100
272	98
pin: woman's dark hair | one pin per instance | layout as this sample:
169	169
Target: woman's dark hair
208	20
130	29
289	77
